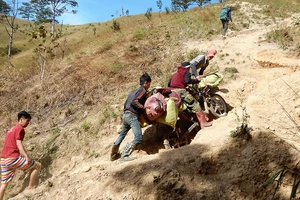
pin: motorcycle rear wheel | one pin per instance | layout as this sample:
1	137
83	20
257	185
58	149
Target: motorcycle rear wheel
217	105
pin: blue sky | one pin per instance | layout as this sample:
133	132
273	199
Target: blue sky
101	10
89	11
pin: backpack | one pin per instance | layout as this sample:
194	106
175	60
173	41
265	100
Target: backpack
170	116
157	106
224	13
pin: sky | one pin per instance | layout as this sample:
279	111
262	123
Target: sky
90	11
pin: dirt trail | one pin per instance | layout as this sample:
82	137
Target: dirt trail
245	51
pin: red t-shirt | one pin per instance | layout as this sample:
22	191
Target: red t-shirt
10	149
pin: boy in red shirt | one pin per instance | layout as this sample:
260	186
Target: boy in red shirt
14	155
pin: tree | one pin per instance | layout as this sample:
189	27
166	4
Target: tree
181	4
53	9
159	5
41	11
26	11
45	47
175	7
201	3
10	26
116	26
185	4
4	7
148	14
167	9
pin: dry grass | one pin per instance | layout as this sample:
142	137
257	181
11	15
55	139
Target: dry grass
95	66
92	59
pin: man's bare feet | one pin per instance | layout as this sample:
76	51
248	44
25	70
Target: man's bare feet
29	187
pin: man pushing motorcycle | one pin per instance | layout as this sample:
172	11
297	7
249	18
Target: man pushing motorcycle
179	82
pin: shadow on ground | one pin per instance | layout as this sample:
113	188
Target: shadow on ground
237	172
155	136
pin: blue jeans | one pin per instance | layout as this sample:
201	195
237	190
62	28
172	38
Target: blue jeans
130	121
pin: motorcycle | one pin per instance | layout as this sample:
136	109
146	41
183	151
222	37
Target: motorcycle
187	125
206	93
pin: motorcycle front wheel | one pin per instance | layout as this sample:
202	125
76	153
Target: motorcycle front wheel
217	105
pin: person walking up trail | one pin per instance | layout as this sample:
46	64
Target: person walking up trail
225	16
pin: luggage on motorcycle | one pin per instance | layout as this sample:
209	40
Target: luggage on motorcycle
168	93
171	114
163	91
182	108
157	106
212	80
143	121
176	97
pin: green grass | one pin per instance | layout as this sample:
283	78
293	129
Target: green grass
231	70
285	37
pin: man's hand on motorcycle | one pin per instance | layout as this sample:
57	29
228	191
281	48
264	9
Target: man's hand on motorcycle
199	77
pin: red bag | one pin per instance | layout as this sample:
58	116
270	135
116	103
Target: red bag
155	106
176	97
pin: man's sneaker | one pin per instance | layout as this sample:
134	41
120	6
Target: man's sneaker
127	158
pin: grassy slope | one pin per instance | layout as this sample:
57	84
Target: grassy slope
99	69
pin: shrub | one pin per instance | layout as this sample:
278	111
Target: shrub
140	34
192	54
148	14
116	26
167	9
243	129
86	126
231	70
283	37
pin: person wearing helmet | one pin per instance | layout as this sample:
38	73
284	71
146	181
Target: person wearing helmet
201	62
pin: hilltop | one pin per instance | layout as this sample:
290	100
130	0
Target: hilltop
77	107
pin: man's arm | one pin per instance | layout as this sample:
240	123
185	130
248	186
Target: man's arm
138	96
229	15
188	79
169	83
22	150
194	68
201	71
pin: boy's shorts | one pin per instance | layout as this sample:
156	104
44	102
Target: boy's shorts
10	165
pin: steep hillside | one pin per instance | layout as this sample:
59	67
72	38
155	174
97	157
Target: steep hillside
77	108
